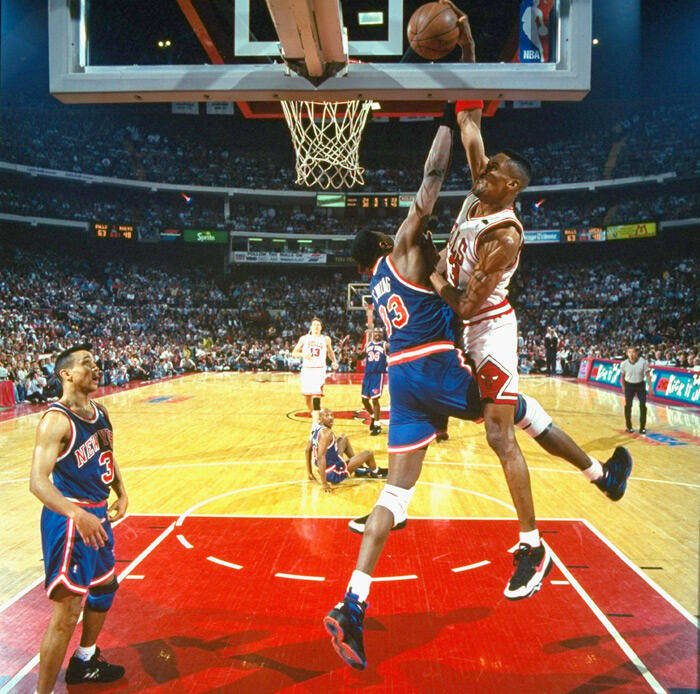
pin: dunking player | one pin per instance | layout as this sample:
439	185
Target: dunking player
427	382
334	456
313	348
374	379
482	255
74	443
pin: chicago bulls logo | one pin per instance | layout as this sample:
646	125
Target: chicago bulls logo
493	380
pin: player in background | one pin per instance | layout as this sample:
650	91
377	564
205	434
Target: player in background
313	349
74	444
334	456
482	255
375	376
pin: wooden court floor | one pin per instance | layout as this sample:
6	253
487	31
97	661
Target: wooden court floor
186	441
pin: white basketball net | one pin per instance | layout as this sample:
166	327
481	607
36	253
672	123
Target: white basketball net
326	138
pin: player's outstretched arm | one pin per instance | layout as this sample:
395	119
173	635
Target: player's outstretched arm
434	173
309	469
497	252
469	119
53	432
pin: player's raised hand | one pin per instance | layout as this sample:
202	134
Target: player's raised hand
430	253
118	509
465	37
90	529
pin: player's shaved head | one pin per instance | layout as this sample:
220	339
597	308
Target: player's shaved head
66	358
519	166
368	246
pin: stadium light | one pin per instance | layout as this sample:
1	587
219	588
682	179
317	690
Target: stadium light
160	44
595	42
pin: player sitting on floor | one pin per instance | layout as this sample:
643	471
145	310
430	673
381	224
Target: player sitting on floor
334	456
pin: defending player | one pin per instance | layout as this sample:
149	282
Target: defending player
74	444
427	378
375	351
313	349
334	457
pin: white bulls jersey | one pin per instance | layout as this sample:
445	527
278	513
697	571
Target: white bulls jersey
313	351
490	336
461	251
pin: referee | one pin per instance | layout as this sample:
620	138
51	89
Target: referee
634	376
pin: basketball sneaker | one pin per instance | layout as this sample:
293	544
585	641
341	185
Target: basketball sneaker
97	669
380	473
375	429
441	436
344	624
357	525
532	565
616	470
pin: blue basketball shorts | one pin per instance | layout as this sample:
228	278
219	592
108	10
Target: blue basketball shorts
67	559
427	384
373	385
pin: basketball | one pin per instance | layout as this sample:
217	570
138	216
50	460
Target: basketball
433	30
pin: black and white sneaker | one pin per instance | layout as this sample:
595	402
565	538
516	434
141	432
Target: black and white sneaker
357	525
97	669
616	471
381	473
344	624
533	564
375	429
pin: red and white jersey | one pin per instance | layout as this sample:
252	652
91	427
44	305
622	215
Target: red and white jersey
313	349
462	258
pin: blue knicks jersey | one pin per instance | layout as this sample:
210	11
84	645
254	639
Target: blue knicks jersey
333	460
375	361
85	469
412	315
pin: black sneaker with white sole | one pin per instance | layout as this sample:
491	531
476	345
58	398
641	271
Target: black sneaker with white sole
97	669
344	624
532	565
357	525
616	471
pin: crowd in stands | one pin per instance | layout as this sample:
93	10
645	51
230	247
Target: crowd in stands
149	322
126	144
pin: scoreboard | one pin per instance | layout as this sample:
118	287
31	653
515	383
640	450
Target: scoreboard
583	235
378	202
360	201
114	231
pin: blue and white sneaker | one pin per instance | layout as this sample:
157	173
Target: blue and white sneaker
616	470
344	624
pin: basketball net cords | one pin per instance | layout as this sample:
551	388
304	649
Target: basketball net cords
326	144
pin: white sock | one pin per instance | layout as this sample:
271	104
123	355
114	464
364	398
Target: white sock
85	652
359	584
532	538
594	472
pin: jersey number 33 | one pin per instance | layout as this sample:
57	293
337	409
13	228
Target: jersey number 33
395	314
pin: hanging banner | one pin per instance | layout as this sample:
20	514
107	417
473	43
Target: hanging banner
186	108
220	108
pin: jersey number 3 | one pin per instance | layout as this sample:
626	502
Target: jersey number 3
107	460
399	314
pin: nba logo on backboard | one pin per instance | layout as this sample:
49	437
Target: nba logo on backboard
533	44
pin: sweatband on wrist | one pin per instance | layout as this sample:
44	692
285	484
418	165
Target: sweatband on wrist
449	116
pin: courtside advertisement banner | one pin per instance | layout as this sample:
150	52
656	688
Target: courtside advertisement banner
668	384
631	231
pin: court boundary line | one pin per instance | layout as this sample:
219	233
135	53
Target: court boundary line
26	669
669	599
609	626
